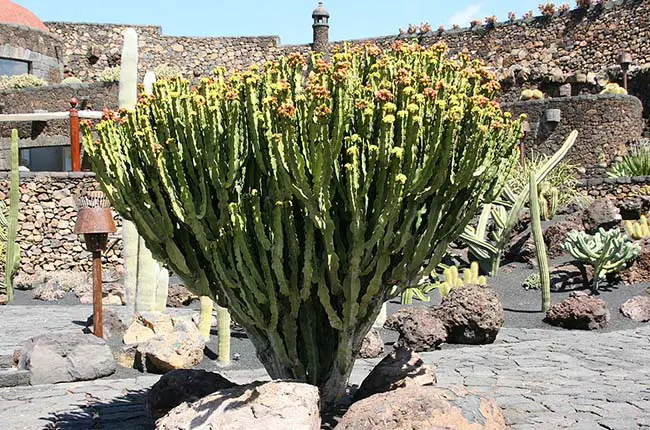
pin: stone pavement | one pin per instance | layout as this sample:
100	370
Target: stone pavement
543	379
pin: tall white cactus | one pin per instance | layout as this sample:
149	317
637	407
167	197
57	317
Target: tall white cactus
145	280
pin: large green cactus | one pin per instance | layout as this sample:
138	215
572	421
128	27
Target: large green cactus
145	280
300	200
9	224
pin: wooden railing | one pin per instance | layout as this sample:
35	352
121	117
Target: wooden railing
74	115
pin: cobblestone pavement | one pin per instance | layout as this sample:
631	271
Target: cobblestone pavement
543	379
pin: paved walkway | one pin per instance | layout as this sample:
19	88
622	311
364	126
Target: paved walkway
543	379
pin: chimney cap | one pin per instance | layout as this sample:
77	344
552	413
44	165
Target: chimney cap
320	11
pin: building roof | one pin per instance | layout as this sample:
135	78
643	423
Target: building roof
11	13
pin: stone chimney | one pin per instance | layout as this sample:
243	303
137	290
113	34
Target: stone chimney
321	28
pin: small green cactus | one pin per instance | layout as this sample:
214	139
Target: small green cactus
549	197
110	75
533	282
607	251
71	80
638	229
9	224
452	279
614	88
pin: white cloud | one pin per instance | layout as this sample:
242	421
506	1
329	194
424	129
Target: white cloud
464	16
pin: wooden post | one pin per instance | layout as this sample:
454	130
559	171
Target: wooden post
75	142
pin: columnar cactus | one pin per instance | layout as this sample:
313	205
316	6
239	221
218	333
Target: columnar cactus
9	224
300	200
607	251
145	280
540	246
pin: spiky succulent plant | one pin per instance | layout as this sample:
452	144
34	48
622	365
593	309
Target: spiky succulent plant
301	195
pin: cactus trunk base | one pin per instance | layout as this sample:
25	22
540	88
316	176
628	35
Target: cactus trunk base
327	355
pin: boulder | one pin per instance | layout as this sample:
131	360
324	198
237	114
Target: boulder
49	292
112	324
3	299
52	286
472	315
372	345
402	368
158	322
419	330
182	385
181	348
521	248
26	281
556	234
633	208
112	295
137	333
601	213
637	308
424	407
65	357
579	311
639	271
179	296
271	405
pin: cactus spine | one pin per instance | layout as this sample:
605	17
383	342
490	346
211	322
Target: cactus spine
295	198
10	223
540	246
145	280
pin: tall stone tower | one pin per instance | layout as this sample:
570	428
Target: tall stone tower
321	28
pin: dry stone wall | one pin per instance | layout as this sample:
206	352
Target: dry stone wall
47	217
91	48
606	124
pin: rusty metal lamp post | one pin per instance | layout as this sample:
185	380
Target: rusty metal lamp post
95	221
625	60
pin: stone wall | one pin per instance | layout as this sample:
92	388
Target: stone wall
46	221
43	50
632	194
579	46
606	124
91	48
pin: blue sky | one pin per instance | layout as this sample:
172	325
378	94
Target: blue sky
289	19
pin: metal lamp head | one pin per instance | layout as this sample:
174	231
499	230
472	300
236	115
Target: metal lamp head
94	220
624	59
